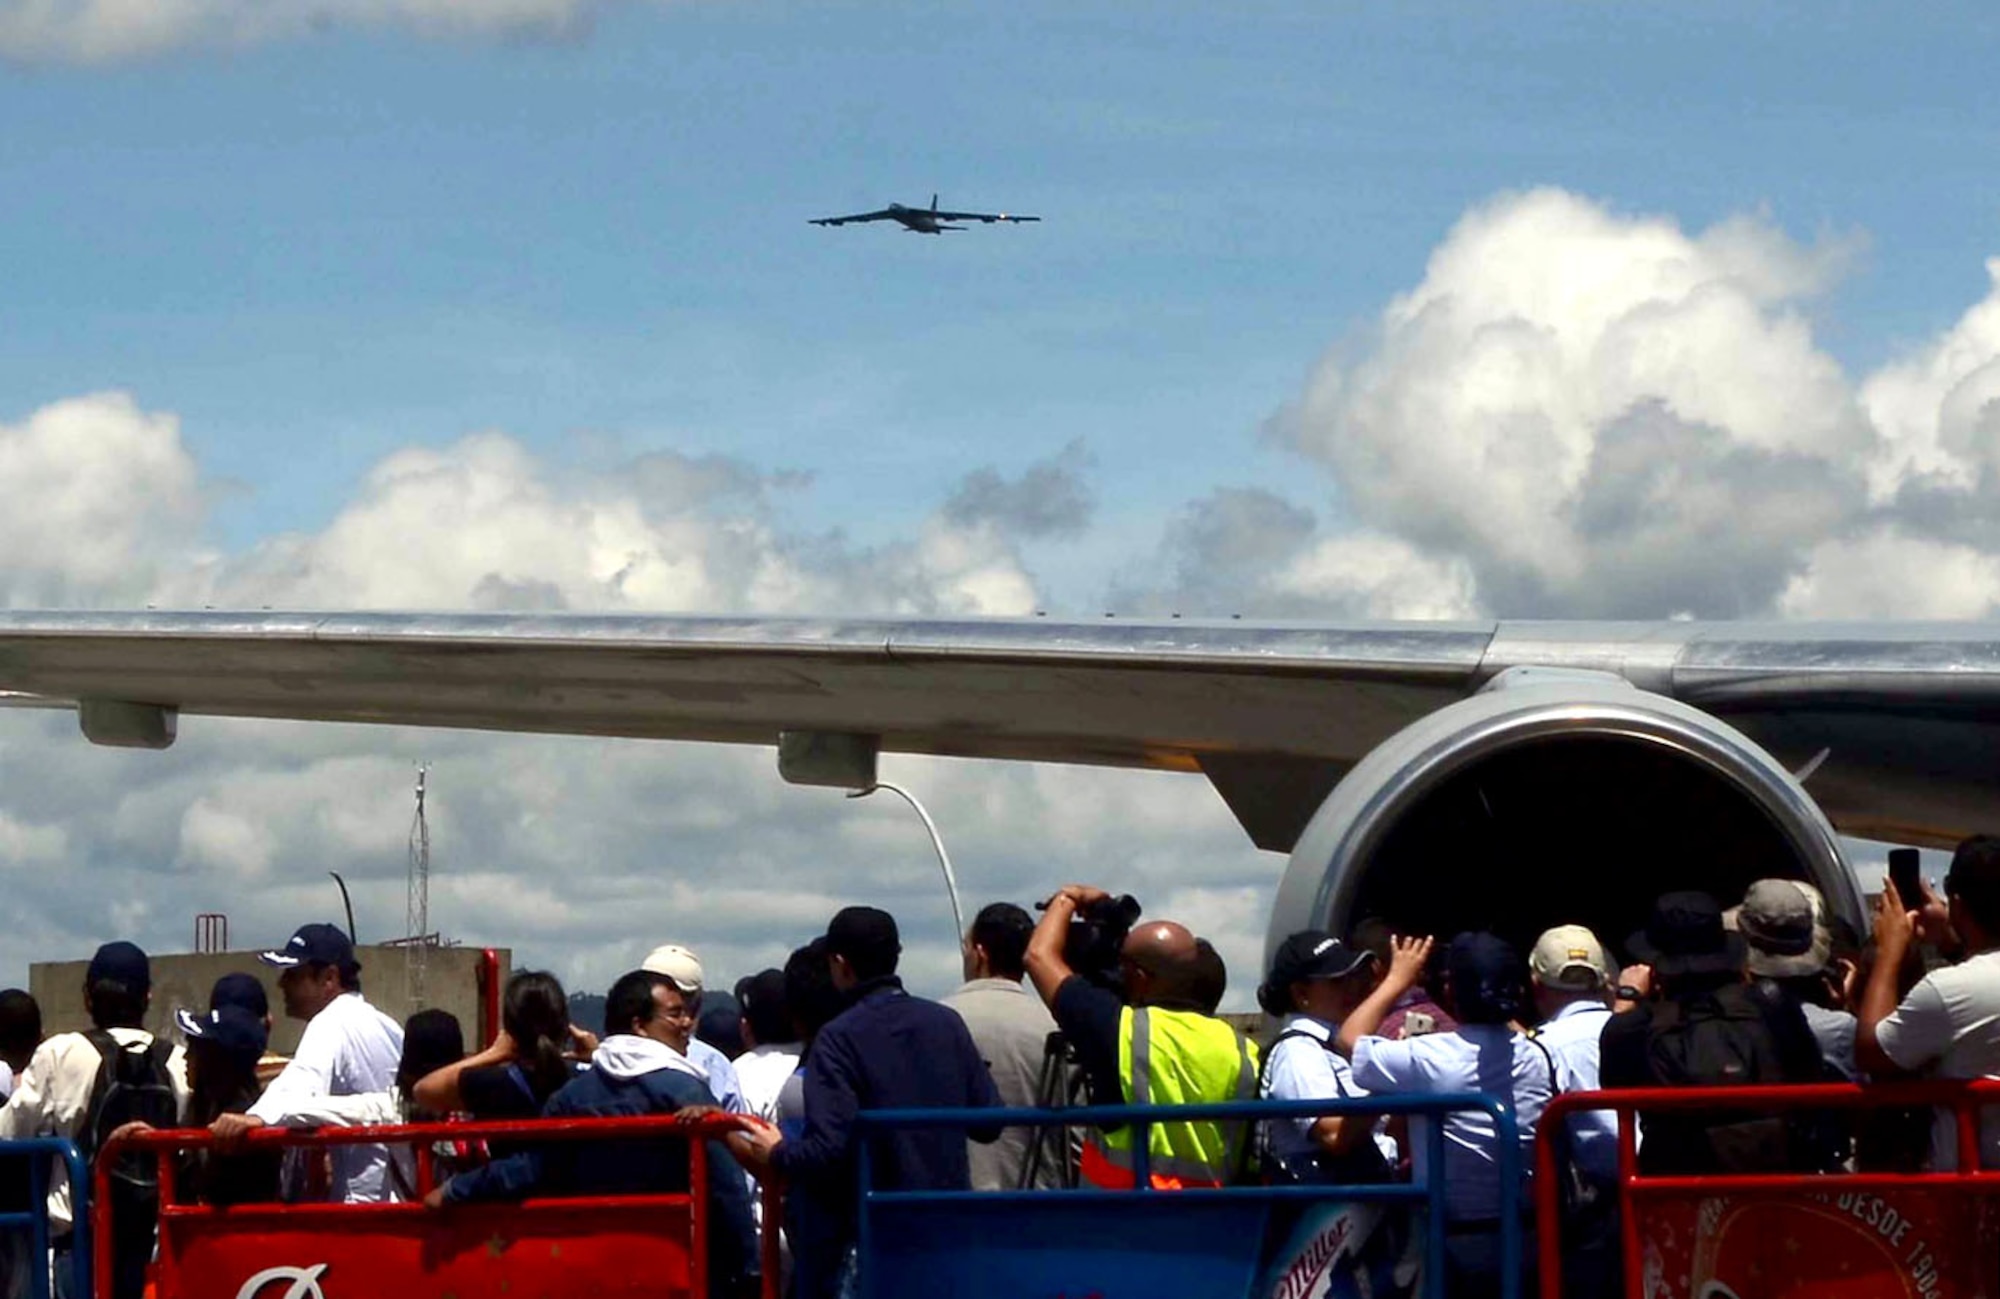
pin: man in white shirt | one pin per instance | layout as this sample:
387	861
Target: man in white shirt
349	1048
1573	983
1949	1025
771	1044
1011	1028
53	1096
682	968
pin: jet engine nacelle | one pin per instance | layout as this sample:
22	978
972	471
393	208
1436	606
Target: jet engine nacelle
1550	798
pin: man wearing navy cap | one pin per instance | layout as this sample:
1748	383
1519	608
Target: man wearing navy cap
53	1096
886	1050
348	1048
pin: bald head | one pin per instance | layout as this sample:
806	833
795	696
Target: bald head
1165	956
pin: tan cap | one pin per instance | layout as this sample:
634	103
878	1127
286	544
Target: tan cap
1569	956
678	964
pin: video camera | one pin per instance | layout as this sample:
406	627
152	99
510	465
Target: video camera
1096	933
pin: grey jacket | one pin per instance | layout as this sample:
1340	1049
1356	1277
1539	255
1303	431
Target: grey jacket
1011	1027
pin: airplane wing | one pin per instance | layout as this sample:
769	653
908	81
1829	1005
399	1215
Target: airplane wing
883	214
1910	711
988	217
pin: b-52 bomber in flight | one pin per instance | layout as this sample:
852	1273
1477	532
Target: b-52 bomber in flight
922	220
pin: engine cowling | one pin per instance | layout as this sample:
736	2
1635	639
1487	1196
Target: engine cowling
1553	798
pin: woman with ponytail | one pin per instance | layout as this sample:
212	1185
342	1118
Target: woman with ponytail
525	1065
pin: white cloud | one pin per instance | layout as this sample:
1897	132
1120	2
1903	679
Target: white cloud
1889	570
1549	336
113	31
102	499
1939	409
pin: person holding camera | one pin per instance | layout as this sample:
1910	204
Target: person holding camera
1152	1044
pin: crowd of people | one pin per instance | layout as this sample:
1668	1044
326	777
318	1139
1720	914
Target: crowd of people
1083	1004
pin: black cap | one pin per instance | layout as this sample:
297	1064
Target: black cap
230	1028
314	945
1308	954
121	963
1684	935
862	932
243	991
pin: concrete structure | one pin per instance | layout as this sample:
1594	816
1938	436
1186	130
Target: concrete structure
183	979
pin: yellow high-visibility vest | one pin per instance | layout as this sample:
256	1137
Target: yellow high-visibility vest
1176	1057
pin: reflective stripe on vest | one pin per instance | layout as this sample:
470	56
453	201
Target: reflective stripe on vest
1176	1057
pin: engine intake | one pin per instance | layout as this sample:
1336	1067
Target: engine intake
1550	799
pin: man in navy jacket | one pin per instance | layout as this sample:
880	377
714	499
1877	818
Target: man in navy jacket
887	1050
640	1067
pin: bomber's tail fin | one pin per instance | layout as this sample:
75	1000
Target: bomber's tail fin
933	202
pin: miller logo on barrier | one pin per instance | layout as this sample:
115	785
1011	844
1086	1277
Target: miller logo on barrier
305	1283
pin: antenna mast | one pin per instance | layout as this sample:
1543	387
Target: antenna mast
417	953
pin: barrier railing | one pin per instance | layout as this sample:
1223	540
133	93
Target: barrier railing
1146	1242
40	1154
656	1244
1698	1236
491	987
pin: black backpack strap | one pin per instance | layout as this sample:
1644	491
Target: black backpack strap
1548	1059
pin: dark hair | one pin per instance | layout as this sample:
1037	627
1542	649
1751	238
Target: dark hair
809	992
432	1039
630	1000
535	1013
1487	978
1208	980
720	1023
114	1003
20	1025
1003	929
867	938
350	972
1974	879
220	1081
1372	935
765	1010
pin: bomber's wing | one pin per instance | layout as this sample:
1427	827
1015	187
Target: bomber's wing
988	217
881	214
1910	713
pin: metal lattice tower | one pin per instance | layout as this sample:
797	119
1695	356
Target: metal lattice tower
418	924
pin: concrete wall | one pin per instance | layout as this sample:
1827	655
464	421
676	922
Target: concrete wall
184	980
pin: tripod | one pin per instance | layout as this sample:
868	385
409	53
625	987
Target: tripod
1059	1086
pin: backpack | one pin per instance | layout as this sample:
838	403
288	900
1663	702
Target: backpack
1721	1039
132	1085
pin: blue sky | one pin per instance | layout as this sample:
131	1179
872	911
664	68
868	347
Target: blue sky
354	243
315	251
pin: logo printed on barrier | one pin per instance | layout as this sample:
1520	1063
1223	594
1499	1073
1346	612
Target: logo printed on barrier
305	1283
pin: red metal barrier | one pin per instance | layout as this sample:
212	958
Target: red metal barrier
600	1245
1810	1235
489	996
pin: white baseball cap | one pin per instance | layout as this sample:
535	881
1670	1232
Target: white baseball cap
1570	957
678	964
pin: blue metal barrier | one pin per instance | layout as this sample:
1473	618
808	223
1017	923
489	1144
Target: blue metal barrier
1108	1244
36	1151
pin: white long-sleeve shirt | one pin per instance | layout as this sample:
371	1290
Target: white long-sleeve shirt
348	1049
363	1110
52	1094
